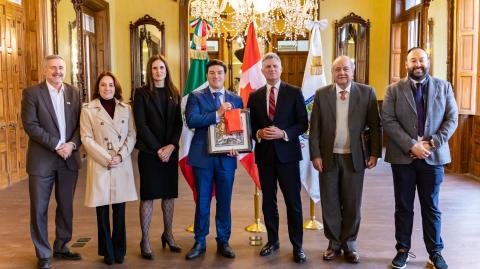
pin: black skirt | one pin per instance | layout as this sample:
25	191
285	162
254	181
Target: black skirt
158	180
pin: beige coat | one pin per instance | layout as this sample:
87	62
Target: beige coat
98	132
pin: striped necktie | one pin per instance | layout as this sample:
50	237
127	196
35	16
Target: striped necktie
271	103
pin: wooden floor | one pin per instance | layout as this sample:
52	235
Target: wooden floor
459	201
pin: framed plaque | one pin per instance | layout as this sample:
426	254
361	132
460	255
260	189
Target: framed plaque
219	142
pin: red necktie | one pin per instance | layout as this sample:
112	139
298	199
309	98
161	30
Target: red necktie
343	95
271	103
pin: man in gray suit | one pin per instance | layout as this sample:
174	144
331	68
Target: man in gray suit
50	116
341	112
419	116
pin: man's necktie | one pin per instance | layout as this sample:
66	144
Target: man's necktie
216	98
420	109
271	103
343	95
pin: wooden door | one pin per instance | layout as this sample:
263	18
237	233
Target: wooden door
13	141
4	181
293	65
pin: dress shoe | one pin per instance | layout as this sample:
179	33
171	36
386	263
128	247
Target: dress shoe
44	263
269	248
108	260
225	250
195	252
331	254
352	257
119	260
145	255
72	256
299	256
172	246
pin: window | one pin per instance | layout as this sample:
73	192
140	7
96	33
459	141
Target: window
411	3
413	33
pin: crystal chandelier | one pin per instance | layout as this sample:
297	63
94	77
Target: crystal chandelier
282	17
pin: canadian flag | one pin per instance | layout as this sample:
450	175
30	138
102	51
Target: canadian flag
250	80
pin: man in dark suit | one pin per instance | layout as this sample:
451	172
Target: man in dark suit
204	108
50	116
278	117
419	116
341	112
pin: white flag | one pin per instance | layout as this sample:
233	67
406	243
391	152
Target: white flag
313	79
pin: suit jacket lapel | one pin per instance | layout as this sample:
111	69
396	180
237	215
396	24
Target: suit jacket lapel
67	99
353	102
332	101
280	100
207	94
407	91
263	101
48	103
432	93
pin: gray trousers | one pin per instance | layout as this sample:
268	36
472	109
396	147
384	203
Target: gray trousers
341	198
40	188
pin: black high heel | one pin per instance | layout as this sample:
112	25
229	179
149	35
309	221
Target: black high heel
146	255
172	247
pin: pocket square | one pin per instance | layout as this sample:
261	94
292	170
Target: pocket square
68	103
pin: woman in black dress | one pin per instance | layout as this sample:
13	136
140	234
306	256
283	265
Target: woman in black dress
158	120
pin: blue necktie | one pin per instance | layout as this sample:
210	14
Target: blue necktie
420	109
216	99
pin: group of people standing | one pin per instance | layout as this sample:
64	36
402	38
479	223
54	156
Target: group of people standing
419	115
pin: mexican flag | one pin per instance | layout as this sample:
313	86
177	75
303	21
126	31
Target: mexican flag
196	80
251	79
313	79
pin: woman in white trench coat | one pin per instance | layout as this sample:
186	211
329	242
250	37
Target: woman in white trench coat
108	135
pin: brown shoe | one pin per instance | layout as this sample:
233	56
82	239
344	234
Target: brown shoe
352	257
331	254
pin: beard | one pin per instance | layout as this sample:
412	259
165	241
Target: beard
417	77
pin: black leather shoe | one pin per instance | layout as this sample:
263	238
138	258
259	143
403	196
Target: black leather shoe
225	250
331	254
72	256
119	260
269	248
195	252
44	263
108	260
352	256
299	256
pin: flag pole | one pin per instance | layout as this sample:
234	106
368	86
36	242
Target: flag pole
312	223
257	226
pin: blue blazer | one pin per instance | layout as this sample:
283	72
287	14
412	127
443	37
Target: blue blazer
199	115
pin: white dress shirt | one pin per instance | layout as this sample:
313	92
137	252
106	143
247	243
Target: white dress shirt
58	102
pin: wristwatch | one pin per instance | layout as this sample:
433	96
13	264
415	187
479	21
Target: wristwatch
432	144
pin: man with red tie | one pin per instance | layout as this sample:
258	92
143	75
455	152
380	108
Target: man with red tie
278	117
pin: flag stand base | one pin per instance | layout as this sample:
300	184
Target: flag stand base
257	227
189	229
313	224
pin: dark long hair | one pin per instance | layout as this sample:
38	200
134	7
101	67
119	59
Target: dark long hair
172	90
118	88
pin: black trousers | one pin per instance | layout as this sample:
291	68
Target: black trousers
112	245
426	179
288	177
